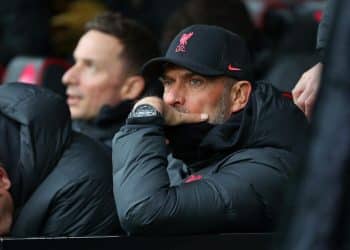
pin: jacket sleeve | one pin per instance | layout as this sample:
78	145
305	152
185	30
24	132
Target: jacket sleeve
147	204
324	27
81	209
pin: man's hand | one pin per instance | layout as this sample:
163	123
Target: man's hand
170	114
306	89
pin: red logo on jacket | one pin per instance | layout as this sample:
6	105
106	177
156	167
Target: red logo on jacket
181	47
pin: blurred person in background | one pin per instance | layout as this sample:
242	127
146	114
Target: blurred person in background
317	216
105	79
306	89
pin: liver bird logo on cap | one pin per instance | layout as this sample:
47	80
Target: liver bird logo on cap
181	47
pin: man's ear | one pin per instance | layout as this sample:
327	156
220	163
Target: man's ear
132	88
240	93
5	182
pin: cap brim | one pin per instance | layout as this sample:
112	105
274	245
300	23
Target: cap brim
154	68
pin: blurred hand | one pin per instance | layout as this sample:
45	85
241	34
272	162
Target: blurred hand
306	89
170	114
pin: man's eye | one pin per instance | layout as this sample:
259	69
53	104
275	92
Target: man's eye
165	81
195	82
91	65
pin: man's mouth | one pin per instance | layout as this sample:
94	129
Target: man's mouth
73	99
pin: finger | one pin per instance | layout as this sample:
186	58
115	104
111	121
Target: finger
309	93
181	118
191	117
298	89
300	86
300	102
309	106
308	81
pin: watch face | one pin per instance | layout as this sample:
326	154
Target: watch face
144	110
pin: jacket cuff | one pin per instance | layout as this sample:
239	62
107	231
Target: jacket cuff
320	54
156	120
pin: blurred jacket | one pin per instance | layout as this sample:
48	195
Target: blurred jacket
61	180
325	25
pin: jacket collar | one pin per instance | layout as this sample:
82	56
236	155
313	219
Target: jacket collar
270	119
107	123
115	114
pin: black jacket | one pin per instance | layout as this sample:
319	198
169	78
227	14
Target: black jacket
235	185
106	124
61	182
324	27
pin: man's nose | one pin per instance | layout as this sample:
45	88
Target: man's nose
70	76
174	95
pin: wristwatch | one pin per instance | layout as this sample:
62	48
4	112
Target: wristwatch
143	111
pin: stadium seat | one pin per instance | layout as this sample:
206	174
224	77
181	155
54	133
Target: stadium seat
46	72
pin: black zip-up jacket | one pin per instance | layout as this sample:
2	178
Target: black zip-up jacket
61	180
106	124
236	186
